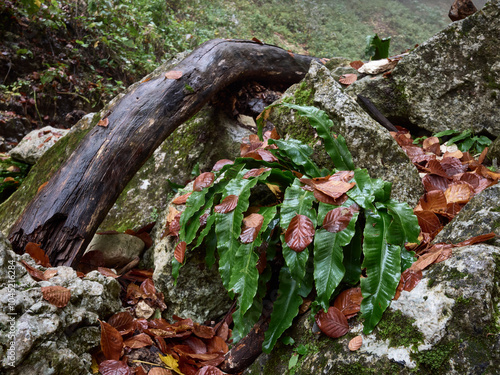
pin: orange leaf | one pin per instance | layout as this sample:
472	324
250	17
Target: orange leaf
173	74
181	199
42	186
337	219
332	323
218	166
355	343
203	332
217	345
228	204
50	273
180	251
459	192
334	188
103	122
56	295
257	40
251	227
434	201
111	341
138	341
204	180
300	233
38	255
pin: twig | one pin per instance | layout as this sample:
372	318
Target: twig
377	115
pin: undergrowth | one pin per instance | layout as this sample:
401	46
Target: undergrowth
328	228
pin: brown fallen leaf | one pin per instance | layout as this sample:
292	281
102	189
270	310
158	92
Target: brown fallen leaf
103	122
300	233
332	323
173	74
355	343
56	295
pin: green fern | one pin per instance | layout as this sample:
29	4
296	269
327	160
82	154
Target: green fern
331	260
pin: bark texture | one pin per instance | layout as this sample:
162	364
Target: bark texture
66	213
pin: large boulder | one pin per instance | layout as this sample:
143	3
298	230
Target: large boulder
40	338
452	81
371	145
449	324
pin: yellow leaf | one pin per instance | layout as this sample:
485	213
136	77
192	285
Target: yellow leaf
94	367
96	44
171	363
275	189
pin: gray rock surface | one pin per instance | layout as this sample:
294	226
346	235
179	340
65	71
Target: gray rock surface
449	324
481	215
36	143
451	81
371	145
47	339
118	249
199	293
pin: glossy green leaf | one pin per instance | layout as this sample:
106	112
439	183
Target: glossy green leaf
295	261
407	259
335	147
299	153
404	225
286	308
362	192
228	225
329	269
383	269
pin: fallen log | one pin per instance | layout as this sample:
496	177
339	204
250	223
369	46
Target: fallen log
65	214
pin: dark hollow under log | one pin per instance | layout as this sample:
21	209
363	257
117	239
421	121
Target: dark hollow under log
66	213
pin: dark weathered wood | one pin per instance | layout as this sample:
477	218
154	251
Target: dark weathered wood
246	351
64	215
377	115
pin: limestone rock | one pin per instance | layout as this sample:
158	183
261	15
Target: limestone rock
451	81
448	325
118	249
47	339
36	143
480	215
371	145
199	293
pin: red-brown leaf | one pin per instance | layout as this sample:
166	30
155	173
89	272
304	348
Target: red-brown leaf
138	341
261	154
180	251
332	323
122	321
91	261
349	302
428	222
203	181
255	172
210	370
251	227
433	182
107	272
409	280
453	166
221	163
173	74
181	199
459	192
431	144
300	233
103	122
337	219
159	371
37	254
50	273
37	275
228	204
217	345
202	331
56	295
356	64
327	199
111	341
434	201
148	287
114	367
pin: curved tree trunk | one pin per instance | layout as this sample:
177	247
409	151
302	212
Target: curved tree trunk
66	213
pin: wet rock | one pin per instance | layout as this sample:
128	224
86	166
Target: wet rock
371	145
118	249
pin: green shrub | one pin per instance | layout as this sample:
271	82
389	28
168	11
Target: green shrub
323	245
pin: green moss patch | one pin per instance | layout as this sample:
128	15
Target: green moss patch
399	330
